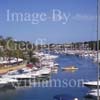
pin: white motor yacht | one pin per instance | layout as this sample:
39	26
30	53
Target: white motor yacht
2	82
22	75
45	71
95	58
94	93
91	84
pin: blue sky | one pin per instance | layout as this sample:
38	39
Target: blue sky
81	25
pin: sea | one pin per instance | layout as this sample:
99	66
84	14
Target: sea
67	85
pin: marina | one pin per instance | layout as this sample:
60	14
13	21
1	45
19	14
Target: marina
84	65
49	50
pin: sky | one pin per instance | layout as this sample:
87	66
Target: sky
62	20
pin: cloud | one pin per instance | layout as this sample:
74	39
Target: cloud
84	17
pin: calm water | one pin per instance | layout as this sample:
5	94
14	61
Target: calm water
87	71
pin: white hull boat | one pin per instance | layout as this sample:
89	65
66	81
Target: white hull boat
2	82
94	93
91	84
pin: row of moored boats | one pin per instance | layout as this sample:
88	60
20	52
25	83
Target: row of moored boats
93	85
27	76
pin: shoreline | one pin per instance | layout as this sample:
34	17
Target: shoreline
8	68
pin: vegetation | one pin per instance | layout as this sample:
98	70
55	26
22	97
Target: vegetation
34	60
19	49
25	50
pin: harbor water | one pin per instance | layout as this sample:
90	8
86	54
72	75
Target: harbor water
87	70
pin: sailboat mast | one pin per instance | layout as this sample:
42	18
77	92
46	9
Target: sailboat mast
98	49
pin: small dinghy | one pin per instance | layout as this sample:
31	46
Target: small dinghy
69	68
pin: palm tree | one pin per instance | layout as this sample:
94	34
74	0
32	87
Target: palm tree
30	54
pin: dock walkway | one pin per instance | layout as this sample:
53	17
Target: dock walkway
8	68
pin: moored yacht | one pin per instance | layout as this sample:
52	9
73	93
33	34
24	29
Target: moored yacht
94	93
45	71
95	58
2	82
7	82
25	76
91	84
